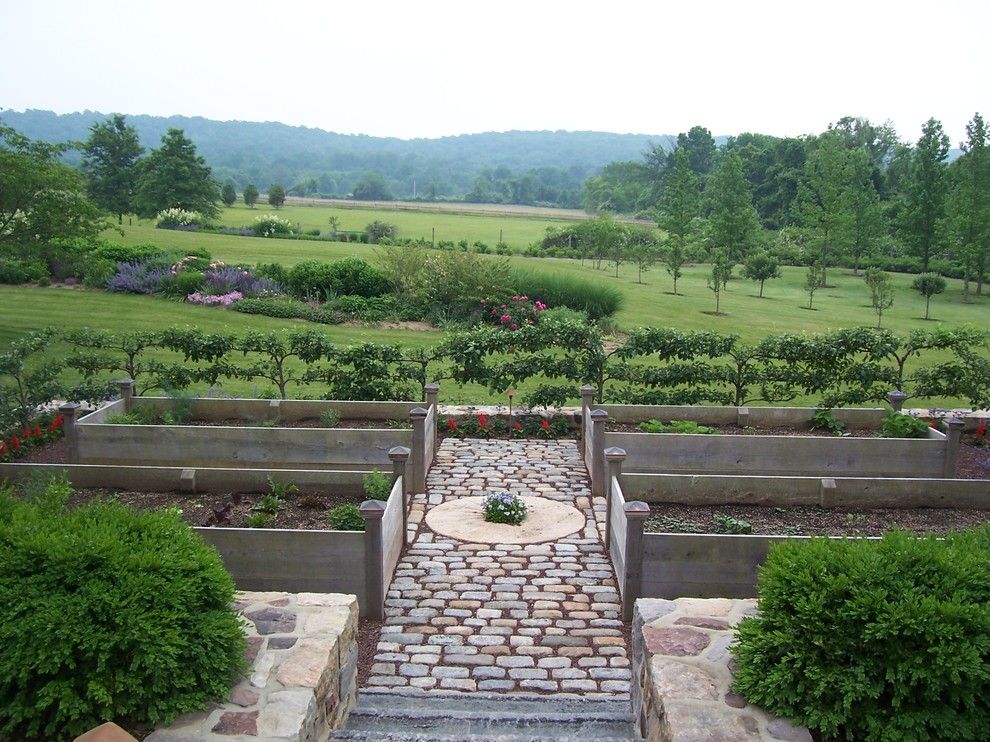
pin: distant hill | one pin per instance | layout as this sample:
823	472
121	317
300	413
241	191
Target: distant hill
327	163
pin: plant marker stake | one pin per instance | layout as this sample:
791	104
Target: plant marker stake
511	392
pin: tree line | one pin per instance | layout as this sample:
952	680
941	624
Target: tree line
853	194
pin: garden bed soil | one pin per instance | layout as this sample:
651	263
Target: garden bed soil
311	422
614	427
811	521
301	510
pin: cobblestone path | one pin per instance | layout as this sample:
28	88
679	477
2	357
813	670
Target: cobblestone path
505	617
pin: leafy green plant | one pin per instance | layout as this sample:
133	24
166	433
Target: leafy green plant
144	629
345	518
686	427
504	507
898	425
258	520
329	418
269	504
124	418
823	419
728	524
668	524
180	407
280	489
377	486
873	640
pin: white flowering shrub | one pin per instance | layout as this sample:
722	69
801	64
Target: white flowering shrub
176	217
270	225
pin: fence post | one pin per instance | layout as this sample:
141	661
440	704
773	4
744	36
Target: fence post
587	399
417	474
896	399
374	558
614	456
598	473
70	416
432	391
953	439
632	581
400	456
126	387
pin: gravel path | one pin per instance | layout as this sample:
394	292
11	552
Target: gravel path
505	617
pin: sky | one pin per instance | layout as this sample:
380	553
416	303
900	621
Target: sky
429	69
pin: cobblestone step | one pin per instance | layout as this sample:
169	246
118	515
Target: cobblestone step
480	716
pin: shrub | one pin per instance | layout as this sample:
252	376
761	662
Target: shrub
504	507
175	217
688	427
109	614
272	271
345	518
137	278
215	300
97	272
127	253
188	282
13	271
270	225
514	313
279	307
824	420
227	279
311	278
598	300
376	485
378	229
869	640
356	277
897	425
329	418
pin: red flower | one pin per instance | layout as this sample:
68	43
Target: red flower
517	426
26	433
981	429
934	425
3	448
15	443
37	431
545	424
483	420
58	421
451	423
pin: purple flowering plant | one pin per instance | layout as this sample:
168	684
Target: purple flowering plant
514	313
504	507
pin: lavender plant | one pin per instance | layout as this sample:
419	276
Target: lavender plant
137	278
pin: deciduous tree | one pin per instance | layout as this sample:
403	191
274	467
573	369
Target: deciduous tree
927	186
928	285
174	176
761	267
733	223
881	291
719	277
229	193
276	195
968	205
250	195
110	158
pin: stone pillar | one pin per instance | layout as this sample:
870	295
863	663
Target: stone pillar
614	456
953	439
417	471
597	464
896	399
632	580
374	558
126	390
432	392
587	399
70	417
400	457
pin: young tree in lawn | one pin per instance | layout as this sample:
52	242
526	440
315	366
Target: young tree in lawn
719	276
276	196
110	157
822	205
733	223
680	202
642	250
814	279
865	223
968	205
174	176
881	291
229	193
250	195
40	198
928	285
673	258
334	222
761	267
927	187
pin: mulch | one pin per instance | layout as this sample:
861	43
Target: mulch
369	631
614	427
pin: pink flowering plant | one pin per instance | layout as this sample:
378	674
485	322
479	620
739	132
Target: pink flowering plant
215	300
516	312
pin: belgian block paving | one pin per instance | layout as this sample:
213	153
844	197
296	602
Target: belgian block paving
505	618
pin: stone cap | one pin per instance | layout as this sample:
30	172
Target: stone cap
398	453
615	453
418	413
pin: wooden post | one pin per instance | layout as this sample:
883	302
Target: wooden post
417	474
400	457
953	439
126	389
70	417
432	393
896	399
587	399
598	473
632	581
614	456
374	558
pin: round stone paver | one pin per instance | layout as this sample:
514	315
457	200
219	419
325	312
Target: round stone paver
464	520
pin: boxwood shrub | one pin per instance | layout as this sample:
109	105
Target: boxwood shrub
873	640
108	614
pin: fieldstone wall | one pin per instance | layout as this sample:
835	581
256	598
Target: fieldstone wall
682	671
302	679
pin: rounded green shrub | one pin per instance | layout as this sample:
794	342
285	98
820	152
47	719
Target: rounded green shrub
345	518
356	277
109	614
873	640
311	278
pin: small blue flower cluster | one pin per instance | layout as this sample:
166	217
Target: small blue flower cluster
504	507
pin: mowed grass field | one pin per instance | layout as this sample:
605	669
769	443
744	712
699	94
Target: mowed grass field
846	303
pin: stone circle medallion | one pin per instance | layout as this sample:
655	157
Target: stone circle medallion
464	519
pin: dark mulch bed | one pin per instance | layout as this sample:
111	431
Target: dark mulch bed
369	631
53	453
310	422
301	510
973	461
810	521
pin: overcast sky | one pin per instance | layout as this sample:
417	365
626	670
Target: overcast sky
427	69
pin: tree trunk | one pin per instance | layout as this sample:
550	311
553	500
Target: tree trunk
718	296
928	301
965	291
761	289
